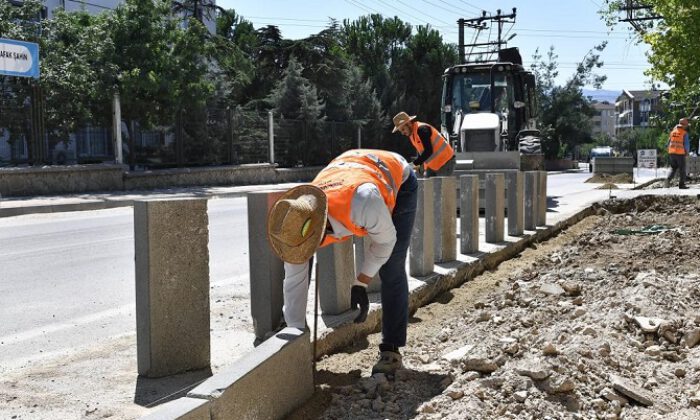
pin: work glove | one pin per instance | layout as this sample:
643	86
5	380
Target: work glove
358	298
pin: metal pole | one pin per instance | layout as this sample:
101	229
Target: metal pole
117	129
359	137
271	135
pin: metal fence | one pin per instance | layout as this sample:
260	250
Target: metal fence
214	136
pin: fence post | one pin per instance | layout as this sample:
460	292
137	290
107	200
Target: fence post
117	129
542	198
336	272
172	286
445	202
265	268
516	203
421	250
469	214
271	135
494	194
531	184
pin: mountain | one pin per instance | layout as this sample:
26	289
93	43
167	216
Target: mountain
601	95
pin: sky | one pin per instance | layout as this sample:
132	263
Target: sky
573	27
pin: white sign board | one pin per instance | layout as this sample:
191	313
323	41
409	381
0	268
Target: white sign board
646	158
19	58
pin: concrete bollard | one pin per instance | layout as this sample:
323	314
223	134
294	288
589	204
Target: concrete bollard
336	272
445	209
361	244
495	197
172	286
265	268
542	198
469	214
422	247
516	203
531	184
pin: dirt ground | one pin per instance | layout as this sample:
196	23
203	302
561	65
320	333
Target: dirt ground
597	323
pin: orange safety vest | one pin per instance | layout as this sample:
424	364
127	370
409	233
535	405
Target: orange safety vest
442	151
344	174
676	145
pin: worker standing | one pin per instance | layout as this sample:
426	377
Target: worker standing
362	192
435	154
678	148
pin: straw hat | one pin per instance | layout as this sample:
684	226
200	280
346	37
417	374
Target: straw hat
297	222
400	119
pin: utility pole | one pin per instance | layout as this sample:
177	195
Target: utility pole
636	13
479	23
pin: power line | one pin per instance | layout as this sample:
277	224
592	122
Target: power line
99	6
472	6
359	6
431	17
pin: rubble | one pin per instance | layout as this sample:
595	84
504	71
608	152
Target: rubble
589	325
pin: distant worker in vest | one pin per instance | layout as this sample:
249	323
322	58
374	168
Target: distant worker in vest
435	155
678	149
362	192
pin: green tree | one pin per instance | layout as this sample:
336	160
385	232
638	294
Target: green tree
565	114
19	23
418	71
671	33
375	42
75	46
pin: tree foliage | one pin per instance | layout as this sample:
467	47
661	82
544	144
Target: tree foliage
565	113
672	37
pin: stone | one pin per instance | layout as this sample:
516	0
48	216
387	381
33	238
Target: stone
520	396
551	289
560	385
648	325
653	350
549	350
483	317
631	391
478	364
455	394
692	338
611	396
533	371
457	355
572	288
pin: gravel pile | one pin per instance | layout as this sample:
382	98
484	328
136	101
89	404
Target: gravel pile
598	323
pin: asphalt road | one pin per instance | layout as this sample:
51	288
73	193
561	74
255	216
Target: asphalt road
67	279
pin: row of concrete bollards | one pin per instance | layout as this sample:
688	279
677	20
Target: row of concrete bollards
172	292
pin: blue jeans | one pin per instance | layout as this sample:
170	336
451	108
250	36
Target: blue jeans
393	273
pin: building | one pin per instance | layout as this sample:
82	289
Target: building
88	143
99	6
634	108
90	6
604	120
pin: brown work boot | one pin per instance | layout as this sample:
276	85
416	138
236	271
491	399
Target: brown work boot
389	362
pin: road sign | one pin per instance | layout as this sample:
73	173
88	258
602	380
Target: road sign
19	58
646	158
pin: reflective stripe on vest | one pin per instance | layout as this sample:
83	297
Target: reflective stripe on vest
341	178
676	145
442	151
